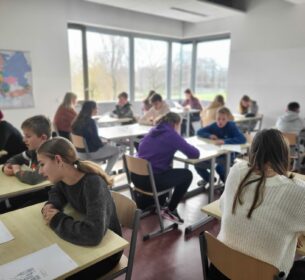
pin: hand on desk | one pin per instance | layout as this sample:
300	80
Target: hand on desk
48	212
219	142
8	170
16	168
213	137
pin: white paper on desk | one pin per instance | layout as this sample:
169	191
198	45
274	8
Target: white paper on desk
232	148
5	234
45	264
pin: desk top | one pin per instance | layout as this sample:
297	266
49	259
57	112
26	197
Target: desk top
180	111
126	131
11	186
106	119
238	118
37	235
207	148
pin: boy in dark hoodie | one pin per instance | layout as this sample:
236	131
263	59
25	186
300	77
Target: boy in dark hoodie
158	147
123	108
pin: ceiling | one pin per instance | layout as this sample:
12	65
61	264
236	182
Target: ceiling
184	10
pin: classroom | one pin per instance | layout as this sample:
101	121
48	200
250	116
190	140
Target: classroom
222	172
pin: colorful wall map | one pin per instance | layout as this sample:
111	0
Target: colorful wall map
16	89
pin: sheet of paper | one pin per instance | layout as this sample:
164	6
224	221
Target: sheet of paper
5	234
232	148
45	264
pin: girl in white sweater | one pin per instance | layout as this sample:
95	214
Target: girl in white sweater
263	207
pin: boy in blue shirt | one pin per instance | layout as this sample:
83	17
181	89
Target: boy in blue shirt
222	132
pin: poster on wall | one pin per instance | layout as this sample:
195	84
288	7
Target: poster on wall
16	89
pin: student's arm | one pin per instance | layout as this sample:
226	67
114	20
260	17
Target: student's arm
90	230
205	132
57	198
236	137
189	150
148	117
20	159
30	177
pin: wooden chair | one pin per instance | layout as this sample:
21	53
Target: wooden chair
142	167
80	145
233	264
129	216
295	153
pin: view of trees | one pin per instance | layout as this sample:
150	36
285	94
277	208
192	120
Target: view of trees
108	66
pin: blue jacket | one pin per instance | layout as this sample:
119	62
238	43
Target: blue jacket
160	145
229	133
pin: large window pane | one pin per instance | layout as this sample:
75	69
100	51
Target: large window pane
150	67
76	62
181	69
108	57
211	68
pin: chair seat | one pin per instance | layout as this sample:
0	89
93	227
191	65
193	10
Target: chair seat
117	270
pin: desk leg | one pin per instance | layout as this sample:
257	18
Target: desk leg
228	163
212	175
203	221
131	145
188	123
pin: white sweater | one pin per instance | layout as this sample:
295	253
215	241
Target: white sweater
272	231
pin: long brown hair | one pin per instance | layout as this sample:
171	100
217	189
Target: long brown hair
63	147
217	102
84	115
170	118
268	148
242	108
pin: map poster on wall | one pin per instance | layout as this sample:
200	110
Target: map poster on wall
16	89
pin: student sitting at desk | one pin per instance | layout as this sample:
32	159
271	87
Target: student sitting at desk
158	147
190	102
146	104
84	185
65	115
86	127
263	209
159	108
123	108
291	122
10	140
248	107
36	131
222	132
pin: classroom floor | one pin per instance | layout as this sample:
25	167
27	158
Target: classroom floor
173	255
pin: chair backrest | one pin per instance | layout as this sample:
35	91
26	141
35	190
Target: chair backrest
125	208
292	138
135	165
233	264
129	216
79	143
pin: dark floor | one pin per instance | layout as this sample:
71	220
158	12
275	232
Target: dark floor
173	255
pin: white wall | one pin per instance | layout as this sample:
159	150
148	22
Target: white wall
40	26
267	58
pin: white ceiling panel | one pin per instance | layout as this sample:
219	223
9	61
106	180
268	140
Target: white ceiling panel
183	10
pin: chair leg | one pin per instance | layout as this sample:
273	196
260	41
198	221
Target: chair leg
159	232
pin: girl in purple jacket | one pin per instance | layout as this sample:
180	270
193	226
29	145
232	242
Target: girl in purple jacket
158	147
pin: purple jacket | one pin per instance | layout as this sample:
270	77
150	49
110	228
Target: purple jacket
160	145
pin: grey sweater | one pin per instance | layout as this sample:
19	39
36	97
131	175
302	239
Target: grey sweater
90	197
29	158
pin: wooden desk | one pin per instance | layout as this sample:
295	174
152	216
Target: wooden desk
208	151
242	119
109	120
130	131
32	234
10	186
187	113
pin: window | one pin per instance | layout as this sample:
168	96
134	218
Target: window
211	68
108	70
150	67
76	62
181	69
